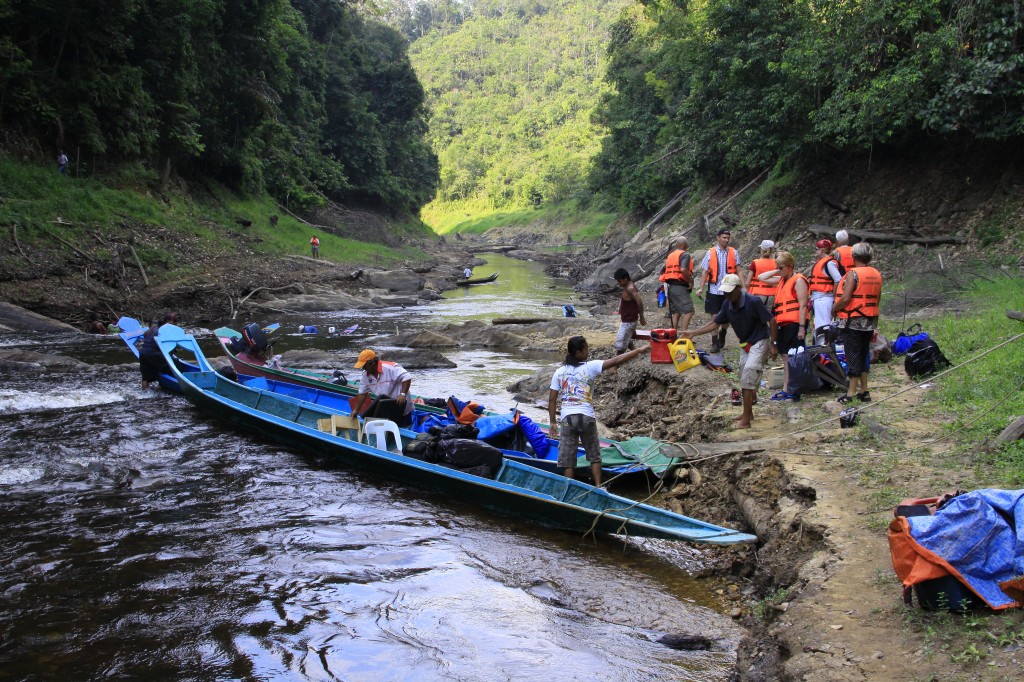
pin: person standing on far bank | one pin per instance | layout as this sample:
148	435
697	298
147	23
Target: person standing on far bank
62	163
573	384
314	243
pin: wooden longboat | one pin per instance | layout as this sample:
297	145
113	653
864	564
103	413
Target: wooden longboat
616	464
516	490
476	280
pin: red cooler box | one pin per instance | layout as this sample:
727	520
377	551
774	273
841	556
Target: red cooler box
660	338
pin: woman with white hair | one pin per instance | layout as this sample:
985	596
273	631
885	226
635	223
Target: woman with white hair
857	304
844	252
759	266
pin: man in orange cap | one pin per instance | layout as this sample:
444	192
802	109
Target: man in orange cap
825	275
391	382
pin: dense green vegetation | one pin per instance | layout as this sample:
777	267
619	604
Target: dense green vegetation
719	88
42	205
511	86
572	220
307	100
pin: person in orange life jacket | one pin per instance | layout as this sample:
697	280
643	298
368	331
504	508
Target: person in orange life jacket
391	382
825	276
759	266
678	276
789	324
573	384
719	261
844	252
631	310
750	322
314	243
857	303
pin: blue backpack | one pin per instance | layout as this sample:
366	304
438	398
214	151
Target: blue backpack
906	339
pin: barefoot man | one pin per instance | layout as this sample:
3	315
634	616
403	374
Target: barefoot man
749	319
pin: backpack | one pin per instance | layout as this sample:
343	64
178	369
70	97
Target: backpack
924	357
905	339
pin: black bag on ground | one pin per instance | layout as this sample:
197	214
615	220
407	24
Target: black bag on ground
802	377
924	357
462	453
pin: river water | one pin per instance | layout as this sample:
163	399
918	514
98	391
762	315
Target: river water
141	539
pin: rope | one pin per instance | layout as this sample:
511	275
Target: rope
876	403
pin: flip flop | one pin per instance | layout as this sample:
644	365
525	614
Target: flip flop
736	397
782	395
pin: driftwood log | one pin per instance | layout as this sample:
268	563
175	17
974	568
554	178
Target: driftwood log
1014	431
886	238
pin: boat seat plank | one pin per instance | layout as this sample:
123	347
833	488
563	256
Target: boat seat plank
349	427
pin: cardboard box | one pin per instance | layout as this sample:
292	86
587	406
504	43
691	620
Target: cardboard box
773	378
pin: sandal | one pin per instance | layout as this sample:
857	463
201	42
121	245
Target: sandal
736	397
865	397
782	395
844	400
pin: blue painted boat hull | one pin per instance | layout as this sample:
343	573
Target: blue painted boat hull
518	490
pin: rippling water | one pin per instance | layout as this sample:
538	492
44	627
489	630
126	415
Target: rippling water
142	539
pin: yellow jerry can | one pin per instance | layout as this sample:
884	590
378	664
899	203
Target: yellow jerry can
684	355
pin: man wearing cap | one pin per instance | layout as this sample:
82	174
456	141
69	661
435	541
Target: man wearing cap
390	381
678	275
719	261
825	275
631	311
750	320
844	252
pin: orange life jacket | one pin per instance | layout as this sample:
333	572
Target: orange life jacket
820	279
787	305
866	297
672	271
759	267
845	254
314	241
730	263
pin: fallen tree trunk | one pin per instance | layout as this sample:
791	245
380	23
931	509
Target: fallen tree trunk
886	238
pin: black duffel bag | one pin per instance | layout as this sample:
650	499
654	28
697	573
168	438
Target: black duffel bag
924	357
462	453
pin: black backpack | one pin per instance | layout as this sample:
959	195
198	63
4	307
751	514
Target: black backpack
924	357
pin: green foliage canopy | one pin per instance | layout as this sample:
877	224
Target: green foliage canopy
308	100
714	88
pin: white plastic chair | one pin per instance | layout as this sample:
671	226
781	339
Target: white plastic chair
380	428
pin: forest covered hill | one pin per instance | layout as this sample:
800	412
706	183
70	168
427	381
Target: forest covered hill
309	101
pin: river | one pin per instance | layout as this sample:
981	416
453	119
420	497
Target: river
143	540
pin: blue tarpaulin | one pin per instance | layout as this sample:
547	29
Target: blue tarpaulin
981	535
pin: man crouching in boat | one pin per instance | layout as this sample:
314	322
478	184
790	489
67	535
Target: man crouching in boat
391	382
573	383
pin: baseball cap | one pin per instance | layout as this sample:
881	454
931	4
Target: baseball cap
365	357
824	244
724	230
767	244
729	282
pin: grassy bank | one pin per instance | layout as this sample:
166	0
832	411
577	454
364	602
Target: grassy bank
986	395
43	205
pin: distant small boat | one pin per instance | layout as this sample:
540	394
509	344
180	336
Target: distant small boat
476	280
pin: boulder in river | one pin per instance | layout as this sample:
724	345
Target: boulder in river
395	280
15	318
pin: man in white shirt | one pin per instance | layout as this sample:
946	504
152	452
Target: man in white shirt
391	382
573	384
